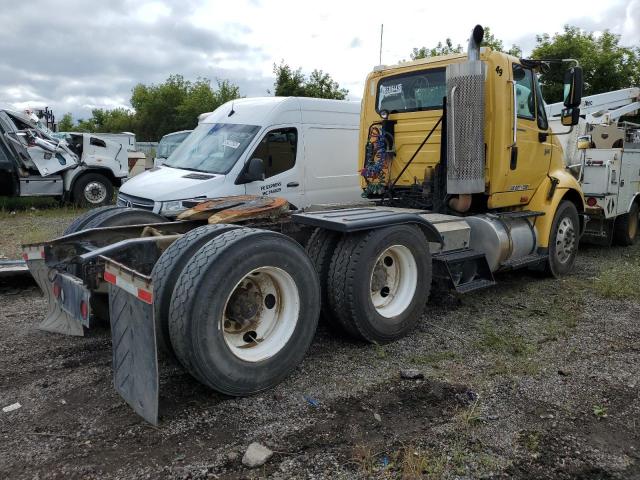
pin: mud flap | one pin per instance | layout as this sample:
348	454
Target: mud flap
56	320
135	358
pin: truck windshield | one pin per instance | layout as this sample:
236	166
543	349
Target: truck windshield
212	147
169	143
412	92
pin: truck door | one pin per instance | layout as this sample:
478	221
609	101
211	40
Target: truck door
278	149
530	155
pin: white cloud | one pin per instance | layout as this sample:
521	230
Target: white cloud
79	55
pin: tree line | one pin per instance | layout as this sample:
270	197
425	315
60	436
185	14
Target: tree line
158	109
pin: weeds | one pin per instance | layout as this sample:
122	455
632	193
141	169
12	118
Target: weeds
600	411
434	358
619	282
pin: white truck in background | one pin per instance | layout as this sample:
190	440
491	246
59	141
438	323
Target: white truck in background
604	155
82	168
168	143
304	150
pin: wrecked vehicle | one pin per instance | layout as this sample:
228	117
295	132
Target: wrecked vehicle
82	168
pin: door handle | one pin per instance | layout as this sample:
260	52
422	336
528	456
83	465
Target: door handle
293	184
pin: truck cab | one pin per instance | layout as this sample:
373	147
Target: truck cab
468	135
82	168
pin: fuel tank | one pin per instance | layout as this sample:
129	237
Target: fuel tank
502	240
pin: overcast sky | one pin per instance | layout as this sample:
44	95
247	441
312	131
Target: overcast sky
75	55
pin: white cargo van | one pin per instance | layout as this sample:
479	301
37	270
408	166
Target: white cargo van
301	149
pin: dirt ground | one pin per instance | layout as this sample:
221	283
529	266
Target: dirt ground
534	378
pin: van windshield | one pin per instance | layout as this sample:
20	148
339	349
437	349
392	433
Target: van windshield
212	147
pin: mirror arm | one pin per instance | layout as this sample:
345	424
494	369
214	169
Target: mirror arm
552	134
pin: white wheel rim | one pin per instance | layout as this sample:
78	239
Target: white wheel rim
394	280
95	192
260	314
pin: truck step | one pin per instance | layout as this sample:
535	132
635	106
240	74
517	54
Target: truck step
520	214
463	270
475	285
527	261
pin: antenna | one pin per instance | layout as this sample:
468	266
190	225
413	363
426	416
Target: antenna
381	32
232	110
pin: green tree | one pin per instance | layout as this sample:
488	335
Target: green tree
175	104
293	83
441	49
66	124
447	48
605	63
493	43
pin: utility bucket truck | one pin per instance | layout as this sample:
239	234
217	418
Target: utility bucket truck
466	178
604	154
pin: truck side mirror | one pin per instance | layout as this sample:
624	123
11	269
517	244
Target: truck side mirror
254	170
570	116
573	88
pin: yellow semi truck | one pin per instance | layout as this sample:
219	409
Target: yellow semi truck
462	178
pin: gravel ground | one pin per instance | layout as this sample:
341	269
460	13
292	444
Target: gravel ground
534	378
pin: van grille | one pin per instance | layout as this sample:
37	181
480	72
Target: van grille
125	200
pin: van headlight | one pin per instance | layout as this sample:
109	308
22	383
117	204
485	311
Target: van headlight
173	207
176	207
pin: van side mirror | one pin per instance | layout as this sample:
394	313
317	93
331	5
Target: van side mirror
573	87
254	171
570	116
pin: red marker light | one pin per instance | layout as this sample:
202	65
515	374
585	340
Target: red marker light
592	202
110	277
84	309
56	290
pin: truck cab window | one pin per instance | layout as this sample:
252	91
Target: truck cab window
543	124
525	93
277	149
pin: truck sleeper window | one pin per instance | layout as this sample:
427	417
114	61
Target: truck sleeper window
412	92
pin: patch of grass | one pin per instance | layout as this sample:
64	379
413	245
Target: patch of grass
531	441
25	203
600	411
434	358
503	340
380	350
469	417
620	281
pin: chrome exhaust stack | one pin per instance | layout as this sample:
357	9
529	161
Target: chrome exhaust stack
465	121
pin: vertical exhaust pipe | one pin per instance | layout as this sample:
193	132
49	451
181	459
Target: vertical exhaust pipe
473	49
465	125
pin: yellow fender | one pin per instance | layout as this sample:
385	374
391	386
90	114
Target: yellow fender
567	188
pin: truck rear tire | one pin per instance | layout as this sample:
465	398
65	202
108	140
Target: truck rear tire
380	282
563	243
92	190
626	227
79	223
168	268
244	311
320	248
